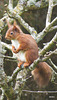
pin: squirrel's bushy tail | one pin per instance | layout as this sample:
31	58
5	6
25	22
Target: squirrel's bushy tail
42	74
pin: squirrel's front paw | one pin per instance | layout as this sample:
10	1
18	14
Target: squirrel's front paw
13	49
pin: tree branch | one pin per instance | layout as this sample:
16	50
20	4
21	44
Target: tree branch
2	95
46	57
49	13
13	76
44	92
53	28
48	46
45	31
49	54
3	83
54	67
9	46
20	81
10	4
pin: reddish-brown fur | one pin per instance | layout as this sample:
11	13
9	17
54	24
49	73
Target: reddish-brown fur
42	73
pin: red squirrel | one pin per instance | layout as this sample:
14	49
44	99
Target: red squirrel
26	50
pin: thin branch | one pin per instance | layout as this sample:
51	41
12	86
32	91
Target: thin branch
3	83
31	5
49	45
54	67
49	54
53	28
45	31
14	74
49	13
20	80
2	95
44	92
10	6
9	57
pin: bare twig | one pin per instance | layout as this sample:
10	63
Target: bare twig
49	54
20	80
45	31
14	74
49	45
49	13
53	28
44	92
2	95
10	4
54	67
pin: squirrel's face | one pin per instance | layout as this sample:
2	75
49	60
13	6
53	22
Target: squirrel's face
13	32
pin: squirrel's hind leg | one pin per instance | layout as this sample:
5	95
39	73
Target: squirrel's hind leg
26	64
19	64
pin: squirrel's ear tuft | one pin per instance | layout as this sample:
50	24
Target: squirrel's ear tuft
9	25
15	27
15	23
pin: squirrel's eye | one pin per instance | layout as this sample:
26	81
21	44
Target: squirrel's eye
11	33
